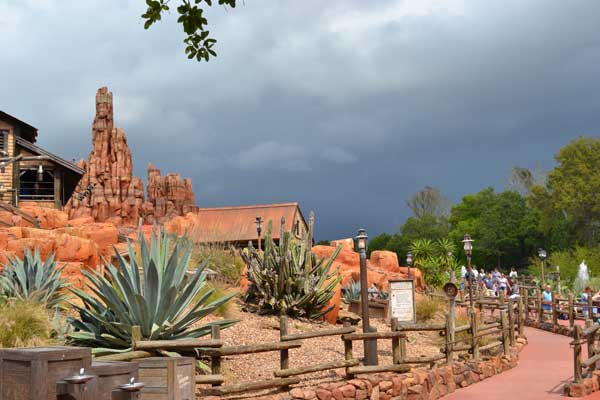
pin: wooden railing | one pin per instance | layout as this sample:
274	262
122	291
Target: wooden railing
501	330
585	336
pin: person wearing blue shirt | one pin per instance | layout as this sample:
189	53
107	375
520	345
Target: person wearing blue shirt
547	300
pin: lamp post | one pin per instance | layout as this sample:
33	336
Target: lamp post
370	345
258	223
409	261
468	247
542	254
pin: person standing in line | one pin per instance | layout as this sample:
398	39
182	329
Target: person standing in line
547	299
503	284
513	274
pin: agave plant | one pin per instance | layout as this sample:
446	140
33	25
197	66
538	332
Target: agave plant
287	278
163	302
32	279
351	292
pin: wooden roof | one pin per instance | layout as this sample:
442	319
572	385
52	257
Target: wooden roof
25	130
237	224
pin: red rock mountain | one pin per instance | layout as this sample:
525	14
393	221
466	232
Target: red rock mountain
116	195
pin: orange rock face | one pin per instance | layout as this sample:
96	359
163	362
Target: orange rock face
114	194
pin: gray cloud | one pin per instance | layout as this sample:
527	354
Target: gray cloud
346	106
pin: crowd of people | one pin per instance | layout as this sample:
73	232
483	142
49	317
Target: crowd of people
493	282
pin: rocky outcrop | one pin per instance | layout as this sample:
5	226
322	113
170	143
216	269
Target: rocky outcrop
114	193
167	196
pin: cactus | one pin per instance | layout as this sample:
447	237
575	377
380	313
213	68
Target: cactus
287	278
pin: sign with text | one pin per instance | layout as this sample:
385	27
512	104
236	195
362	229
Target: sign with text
402	300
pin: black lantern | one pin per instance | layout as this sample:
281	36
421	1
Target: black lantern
468	244
409	262
361	240
468	247
542	254
40	173
258	223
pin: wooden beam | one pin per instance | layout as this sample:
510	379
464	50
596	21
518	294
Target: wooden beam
130	355
284	373
315	334
209	379
252	348
246	387
370	369
176	344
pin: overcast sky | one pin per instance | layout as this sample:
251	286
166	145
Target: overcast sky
347	106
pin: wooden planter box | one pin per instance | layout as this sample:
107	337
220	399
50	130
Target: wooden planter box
32	373
168	378
377	308
111	375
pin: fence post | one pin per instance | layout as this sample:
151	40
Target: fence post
511	321
554	309
283	331
474	338
396	355
215	361
571	310
502	298
449	339
539	307
521	316
576	354
526	301
348	351
591	339
590	308
505	334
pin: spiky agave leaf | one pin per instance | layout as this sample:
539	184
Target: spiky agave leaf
287	278
32	279
158	299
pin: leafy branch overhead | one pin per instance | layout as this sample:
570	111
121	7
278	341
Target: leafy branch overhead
199	44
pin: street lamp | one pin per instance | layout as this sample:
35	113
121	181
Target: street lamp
468	247
542	254
258	223
370	346
409	261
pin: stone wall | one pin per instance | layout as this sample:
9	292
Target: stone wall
548	326
587	386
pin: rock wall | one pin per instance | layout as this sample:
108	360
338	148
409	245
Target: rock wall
116	195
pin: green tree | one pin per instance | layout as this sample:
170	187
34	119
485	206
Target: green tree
199	44
503	226
571	192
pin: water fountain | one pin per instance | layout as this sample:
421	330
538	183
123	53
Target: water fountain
583	278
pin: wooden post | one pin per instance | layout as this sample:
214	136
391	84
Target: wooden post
136	335
591	339
590	308
474	338
554	309
505	334
215	360
449	339
283	331
577	354
348	352
511	321
526	301
396	355
540	309
571	310
502	298
521	316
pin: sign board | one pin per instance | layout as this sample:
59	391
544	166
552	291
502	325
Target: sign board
402	300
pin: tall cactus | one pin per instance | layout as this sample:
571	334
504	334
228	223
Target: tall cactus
287	278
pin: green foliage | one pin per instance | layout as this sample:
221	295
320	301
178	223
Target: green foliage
191	17
351	292
24	324
434	259
502	224
427	307
323	243
32	279
225	262
288	279
163	302
218	291
571	192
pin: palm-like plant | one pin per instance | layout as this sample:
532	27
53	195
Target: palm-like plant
161	302
351	292
32	279
288	279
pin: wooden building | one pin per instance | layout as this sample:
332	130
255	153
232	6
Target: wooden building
237	225
30	174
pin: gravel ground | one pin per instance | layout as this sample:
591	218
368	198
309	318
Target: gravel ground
254	329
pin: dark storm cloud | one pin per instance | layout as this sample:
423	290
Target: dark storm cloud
346	106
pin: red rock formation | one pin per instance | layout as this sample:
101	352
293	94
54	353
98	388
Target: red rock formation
116	192
117	196
168	196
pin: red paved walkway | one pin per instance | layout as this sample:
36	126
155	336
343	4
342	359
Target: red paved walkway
545	364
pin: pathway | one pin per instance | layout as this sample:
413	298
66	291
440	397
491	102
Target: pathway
545	364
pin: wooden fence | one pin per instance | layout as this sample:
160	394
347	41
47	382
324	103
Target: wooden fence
585	336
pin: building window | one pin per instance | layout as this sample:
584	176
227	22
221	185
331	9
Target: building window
297	228
4	143
36	185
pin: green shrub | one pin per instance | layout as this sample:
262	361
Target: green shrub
351	292
24	324
427	308
228	265
219	290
